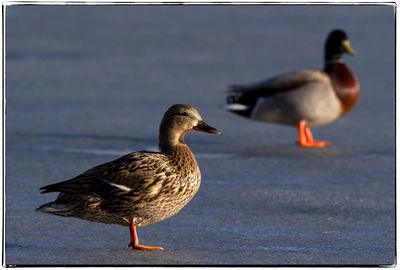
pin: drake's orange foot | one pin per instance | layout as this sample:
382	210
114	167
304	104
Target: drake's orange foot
315	144
306	138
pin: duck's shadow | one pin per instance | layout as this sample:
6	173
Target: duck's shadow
293	151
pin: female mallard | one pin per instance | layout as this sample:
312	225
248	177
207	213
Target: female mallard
140	188
303	98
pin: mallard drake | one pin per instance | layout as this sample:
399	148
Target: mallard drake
303	98
140	188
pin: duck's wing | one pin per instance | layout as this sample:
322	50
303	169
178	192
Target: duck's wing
128	173
242	99
248	94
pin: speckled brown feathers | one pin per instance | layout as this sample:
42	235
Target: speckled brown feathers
146	187
140	188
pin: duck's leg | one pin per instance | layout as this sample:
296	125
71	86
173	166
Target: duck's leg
306	138
135	240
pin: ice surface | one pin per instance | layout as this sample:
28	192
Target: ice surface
86	84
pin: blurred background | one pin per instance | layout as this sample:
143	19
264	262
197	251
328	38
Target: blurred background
86	84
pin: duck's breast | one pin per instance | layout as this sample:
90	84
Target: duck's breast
179	182
345	84
315	102
175	194
180	190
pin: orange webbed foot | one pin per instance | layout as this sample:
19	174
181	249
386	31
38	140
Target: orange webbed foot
306	138
143	247
134	243
315	144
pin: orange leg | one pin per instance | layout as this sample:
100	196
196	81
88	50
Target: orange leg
306	138
135	240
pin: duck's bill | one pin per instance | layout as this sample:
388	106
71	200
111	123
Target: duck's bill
202	126
347	47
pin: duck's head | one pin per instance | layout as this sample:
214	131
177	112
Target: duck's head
179	119
336	45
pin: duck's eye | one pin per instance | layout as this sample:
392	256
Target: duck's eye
184	114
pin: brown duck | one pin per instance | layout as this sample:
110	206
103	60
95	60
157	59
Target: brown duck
303	98
140	188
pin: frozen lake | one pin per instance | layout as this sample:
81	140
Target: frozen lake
86	84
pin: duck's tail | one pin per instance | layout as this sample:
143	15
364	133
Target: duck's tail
234	101
52	208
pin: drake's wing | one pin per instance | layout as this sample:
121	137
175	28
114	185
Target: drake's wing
248	94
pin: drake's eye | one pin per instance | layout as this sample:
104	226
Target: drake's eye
184	114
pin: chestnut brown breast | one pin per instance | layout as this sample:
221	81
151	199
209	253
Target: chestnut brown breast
345	84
